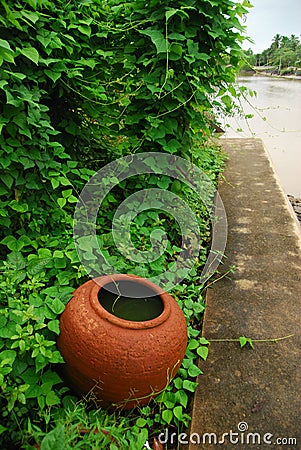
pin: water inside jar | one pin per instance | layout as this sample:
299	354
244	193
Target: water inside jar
120	299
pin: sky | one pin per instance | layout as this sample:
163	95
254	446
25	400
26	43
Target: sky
270	17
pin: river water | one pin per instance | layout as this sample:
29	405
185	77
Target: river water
277	121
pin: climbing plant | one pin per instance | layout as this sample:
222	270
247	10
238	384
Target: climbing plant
177	64
82	83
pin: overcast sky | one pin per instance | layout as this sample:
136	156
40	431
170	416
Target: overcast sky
271	17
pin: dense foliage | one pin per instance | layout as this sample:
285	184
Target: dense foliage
282	57
82	83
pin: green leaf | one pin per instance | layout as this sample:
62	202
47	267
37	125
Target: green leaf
194	371
158	234
54	76
52	399
203	351
16	260
11	100
30	53
167	415
55	305
203	56
72	199
54	325
55	183
2	429
52	377
44	253
27	163
181	397
45	40
32	16
6	55
5	44
66	193
227	100
140	440
176	36
55	439
46	388
157	38
7	357
193	48
19	207
164	182
3	83
7	179
213	34
178	382
22	345
169	403
189	385
85	29
86	243
35	300
178	50
140	422
11	243
8	331
33	391
242	341
61	202
26	241
170	13
38	265
41	403
178	412
40	363
18	75
193	344
250	342
56	358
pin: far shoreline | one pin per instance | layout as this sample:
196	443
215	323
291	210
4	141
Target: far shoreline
263	73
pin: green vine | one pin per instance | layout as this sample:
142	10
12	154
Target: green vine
83	83
243	340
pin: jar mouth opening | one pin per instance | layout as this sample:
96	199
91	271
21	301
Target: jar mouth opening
130	301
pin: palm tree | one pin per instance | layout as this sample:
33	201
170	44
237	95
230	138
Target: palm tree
294	42
276	41
285	41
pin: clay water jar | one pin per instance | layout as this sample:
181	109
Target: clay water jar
121	362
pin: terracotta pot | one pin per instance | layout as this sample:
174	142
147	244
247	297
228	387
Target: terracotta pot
123	363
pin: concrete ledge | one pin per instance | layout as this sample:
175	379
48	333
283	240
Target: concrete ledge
258	389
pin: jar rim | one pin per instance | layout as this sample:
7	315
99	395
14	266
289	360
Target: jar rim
101	282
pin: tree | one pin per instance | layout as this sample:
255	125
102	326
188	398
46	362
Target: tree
276	42
284	52
294	42
285	57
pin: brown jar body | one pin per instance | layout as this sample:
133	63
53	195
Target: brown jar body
120	362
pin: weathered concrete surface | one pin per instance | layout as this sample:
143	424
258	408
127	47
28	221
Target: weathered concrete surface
261	300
